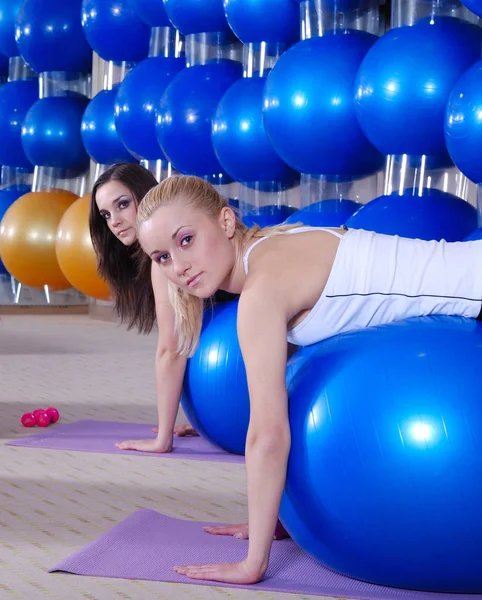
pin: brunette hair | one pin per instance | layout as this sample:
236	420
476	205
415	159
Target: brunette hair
125	268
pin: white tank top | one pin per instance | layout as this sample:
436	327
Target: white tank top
376	279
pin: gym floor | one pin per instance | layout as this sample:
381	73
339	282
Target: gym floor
52	503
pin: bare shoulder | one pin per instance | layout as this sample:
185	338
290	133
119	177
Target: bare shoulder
293	268
265	264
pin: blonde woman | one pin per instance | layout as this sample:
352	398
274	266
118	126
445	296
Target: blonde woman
298	284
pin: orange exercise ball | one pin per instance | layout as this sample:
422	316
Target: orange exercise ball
75	252
27	238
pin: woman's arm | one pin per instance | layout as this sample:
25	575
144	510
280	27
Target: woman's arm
262	336
169	368
262	324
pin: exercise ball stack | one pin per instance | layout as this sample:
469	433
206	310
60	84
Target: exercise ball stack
310	90
51	129
188	104
402	90
239	139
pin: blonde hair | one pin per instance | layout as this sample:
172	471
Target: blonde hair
201	195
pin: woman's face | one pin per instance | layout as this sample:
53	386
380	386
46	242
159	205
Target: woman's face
193	250
118	207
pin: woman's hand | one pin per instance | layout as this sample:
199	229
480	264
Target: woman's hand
240	531
240	572
181	431
152	445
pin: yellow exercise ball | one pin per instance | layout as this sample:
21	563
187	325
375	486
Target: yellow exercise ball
27	238
75	252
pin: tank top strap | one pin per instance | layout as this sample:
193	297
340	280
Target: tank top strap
311	228
294	230
248	251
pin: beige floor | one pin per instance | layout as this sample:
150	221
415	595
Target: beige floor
53	503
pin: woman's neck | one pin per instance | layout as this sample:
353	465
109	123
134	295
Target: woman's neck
234	283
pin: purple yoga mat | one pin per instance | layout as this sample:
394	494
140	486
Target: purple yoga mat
101	436
147	544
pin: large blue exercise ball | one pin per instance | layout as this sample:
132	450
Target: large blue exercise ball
151	12
271	21
8	195
185	114
326	213
405	80
99	134
114	30
51	134
239	139
384	470
474	6
197	16
16	98
308	111
463	123
136	103
45	30
435	215
215	393
8	14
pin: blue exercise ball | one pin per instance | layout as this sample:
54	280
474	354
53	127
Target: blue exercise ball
383	474
271	21
215	379
198	16
151	12
435	215
114	30
405	80
185	114
474	6
99	134
136	103
44	32
239	139
266	216
463	123
51	133
8	14
474	235
8	195
16	99
326	213
310	90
